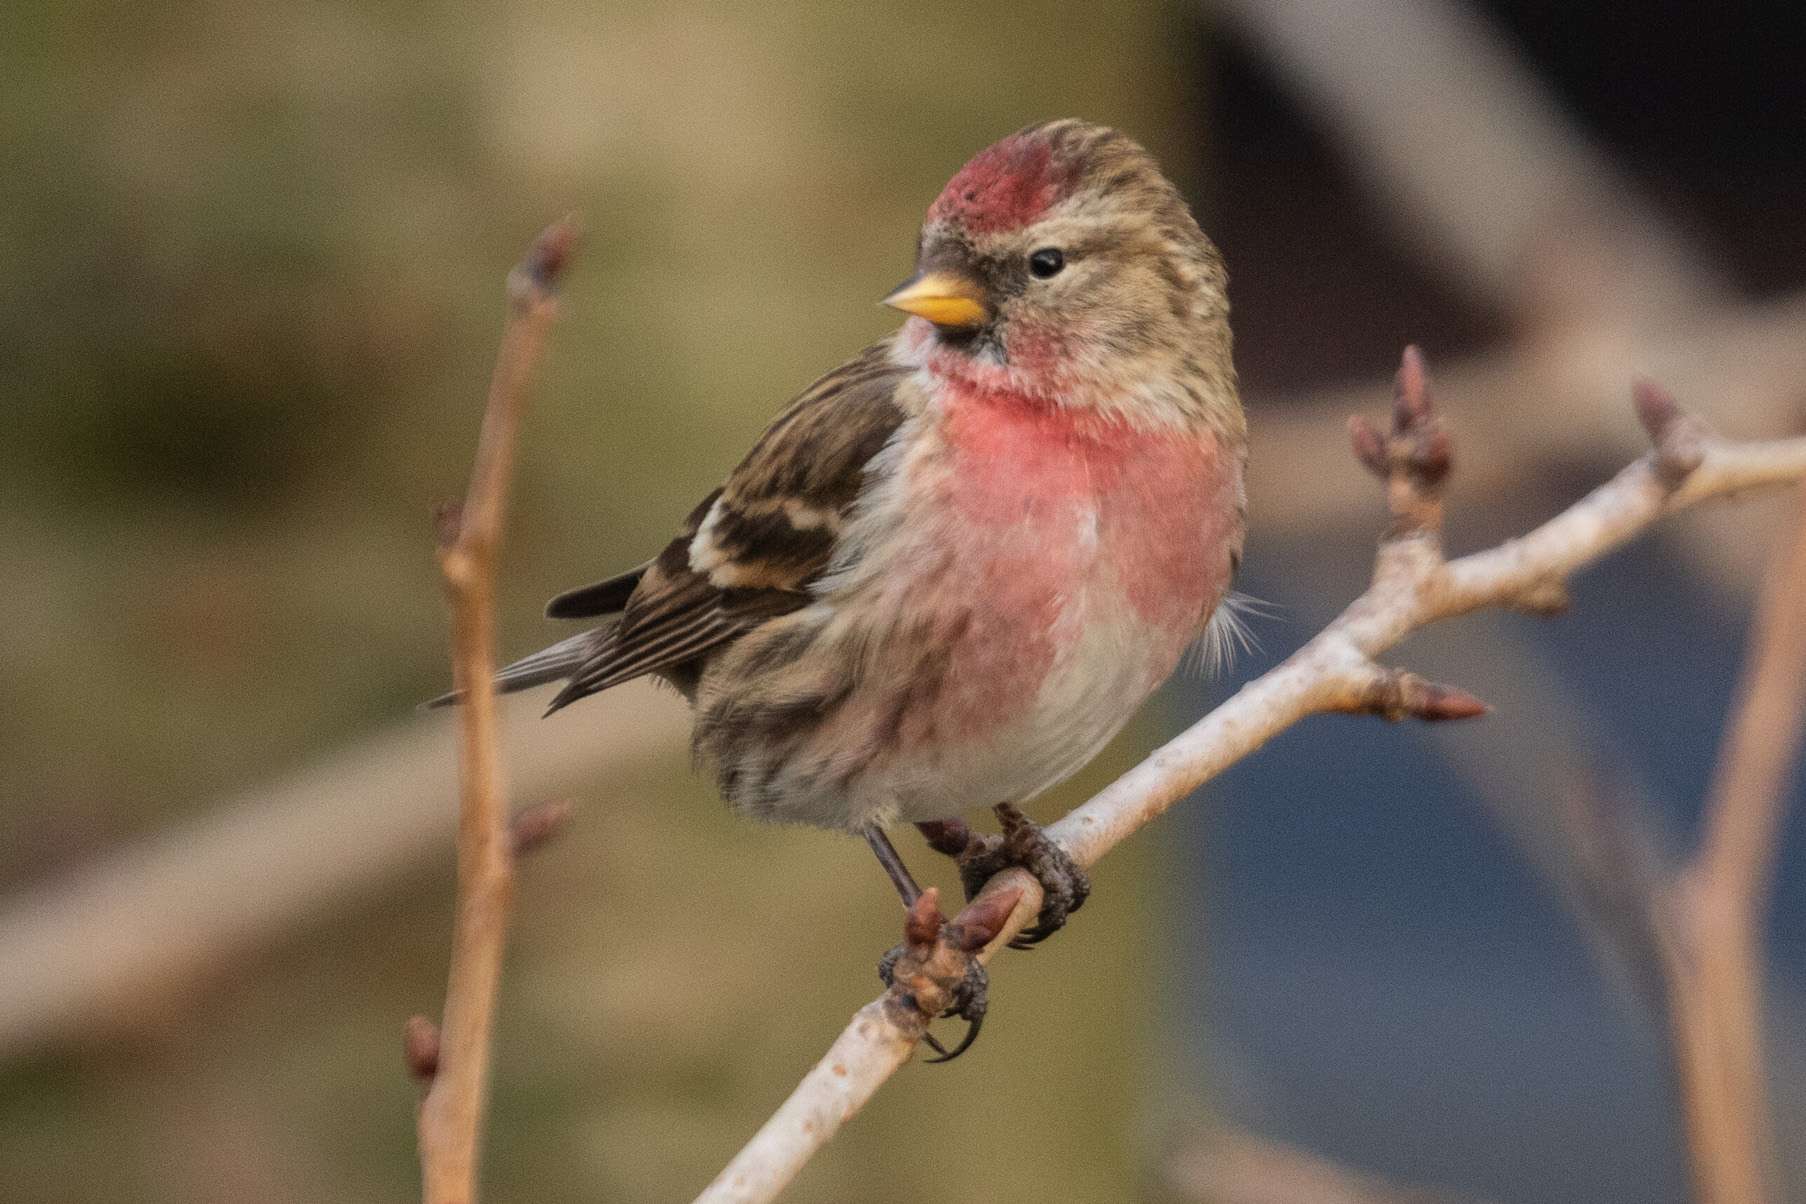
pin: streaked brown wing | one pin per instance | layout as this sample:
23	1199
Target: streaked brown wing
749	552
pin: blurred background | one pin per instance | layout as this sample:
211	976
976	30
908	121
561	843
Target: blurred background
251	257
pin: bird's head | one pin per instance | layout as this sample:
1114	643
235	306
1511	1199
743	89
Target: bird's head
1061	264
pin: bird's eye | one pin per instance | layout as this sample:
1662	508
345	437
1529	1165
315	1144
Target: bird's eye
1046	262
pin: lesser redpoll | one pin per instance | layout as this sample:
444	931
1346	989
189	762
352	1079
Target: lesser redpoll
953	568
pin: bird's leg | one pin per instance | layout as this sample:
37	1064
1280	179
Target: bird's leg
892	861
966	999
1064	886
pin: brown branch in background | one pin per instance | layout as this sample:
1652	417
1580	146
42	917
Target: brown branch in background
1710	917
451	1116
1413	586
1689	933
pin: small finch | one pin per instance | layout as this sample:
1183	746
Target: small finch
953	568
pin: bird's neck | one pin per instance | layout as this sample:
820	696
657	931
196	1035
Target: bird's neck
1090	391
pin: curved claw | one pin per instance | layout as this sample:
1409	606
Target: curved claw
970	1004
975	1023
1054	910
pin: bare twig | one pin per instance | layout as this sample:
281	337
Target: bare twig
1710	917
451	1116
1413	585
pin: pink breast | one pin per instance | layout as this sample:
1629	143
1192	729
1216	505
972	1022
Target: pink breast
1050	520
1063	493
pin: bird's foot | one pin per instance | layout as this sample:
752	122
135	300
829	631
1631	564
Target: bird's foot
980	856
968	1001
937	974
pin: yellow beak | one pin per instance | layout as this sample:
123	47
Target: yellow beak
944	298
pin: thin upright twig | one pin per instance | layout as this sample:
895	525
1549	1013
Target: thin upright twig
1710	918
451	1115
1413	586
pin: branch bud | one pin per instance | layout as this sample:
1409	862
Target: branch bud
1432	457
535	278
1369	445
981	921
1414	457
533	827
1656	408
1421	443
923	924
448	522
420	1048
1394	694
1433	702
1410	391
551	251
1679	437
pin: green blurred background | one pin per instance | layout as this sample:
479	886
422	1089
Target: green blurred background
251	258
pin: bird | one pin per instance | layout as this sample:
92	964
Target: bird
951	570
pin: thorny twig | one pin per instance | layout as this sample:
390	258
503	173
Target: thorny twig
1413	586
455	1058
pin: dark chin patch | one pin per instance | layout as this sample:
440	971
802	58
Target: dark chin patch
972	341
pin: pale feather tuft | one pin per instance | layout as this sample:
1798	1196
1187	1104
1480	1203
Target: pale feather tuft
1225	636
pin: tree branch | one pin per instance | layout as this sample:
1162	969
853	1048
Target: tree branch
457	1060
1413	586
1709	918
